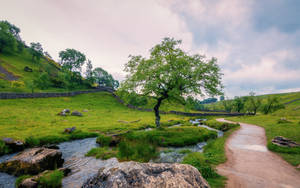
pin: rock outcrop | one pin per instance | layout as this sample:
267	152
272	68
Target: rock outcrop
284	142
33	161
147	175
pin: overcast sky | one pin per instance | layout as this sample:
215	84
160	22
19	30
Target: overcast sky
256	42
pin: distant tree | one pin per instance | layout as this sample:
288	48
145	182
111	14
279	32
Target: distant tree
271	105
47	55
7	40
239	103
36	51
171	73
89	71
228	105
103	78
253	103
72	60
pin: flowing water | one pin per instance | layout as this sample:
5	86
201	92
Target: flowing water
84	167
176	154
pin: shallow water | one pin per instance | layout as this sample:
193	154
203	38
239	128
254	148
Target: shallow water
173	154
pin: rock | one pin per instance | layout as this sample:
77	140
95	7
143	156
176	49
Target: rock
76	113
27	69
147	175
29	183
284	142
51	146
33	161
14	145
64	112
69	130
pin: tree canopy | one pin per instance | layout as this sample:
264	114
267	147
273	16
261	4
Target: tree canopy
171	73
72	59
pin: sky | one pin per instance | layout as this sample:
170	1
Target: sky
256	42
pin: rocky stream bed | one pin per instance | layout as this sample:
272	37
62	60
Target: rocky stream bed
84	168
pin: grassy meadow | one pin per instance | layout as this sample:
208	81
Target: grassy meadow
22	118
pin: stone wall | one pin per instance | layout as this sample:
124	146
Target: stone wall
46	95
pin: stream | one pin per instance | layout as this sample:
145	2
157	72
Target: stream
84	167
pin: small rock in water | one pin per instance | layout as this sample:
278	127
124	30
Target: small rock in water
147	175
76	113
70	130
33	161
14	145
284	142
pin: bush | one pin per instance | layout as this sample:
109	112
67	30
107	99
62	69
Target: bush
102	153
51	179
198	160
3	148
17	84
104	140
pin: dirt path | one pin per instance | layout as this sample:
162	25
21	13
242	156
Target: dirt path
251	164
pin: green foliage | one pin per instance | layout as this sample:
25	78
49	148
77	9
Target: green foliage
198	160
36	51
171	73
3	148
7	39
222	126
42	81
72	59
102	153
103	78
51	179
20	179
271	105
104	140
140	151
176	136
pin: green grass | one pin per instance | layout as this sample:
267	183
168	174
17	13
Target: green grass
23	118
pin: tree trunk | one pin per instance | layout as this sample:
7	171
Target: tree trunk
156	111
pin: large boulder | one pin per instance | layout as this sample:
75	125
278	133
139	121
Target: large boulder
147	175
33	161
14	145
284	142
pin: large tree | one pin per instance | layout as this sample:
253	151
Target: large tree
171	73
72	60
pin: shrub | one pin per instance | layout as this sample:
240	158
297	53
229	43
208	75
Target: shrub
51	179
3	148
102	153
198	160
104	140
17	84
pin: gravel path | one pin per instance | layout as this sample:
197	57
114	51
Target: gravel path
251	164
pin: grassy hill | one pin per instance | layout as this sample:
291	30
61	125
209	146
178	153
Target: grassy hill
22	118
